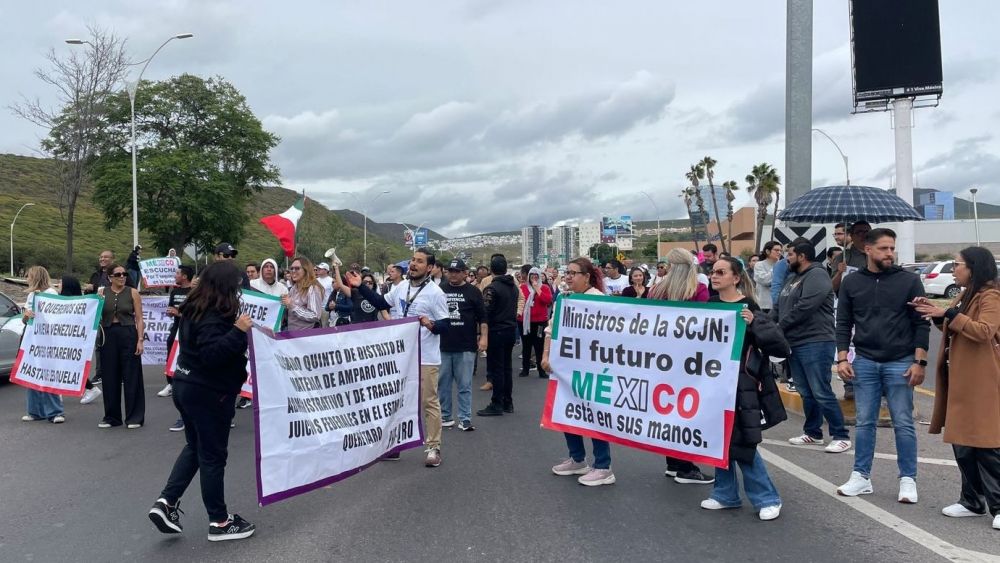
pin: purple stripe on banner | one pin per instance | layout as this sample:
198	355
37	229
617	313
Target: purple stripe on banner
289	335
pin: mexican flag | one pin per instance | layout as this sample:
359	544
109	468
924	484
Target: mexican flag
283	225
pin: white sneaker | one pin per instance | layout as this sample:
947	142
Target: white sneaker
858	484
91	395
996	522
59	419
838	446
712	504
166	391
769	513
907	490
805	440
448	424
958	511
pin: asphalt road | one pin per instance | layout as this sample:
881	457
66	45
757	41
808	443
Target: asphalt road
77	493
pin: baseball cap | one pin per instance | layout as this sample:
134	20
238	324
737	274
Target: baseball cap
323	266
225	249
457	265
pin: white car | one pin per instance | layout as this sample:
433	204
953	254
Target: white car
939	280
10	334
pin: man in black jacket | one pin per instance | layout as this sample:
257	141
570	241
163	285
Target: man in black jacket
500	298
890	340
804	312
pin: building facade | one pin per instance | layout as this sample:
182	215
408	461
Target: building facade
532	244
564	246
589	235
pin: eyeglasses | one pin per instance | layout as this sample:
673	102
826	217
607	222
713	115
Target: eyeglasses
719	272
118	275
572	273
294	269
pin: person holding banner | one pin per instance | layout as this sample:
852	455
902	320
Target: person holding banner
71	287
121	322
41	405
583	277
210	371
681	284
305	297
732	282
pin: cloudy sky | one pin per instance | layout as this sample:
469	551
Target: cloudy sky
489	115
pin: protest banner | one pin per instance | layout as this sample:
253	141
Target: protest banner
58	344
659	376
330	402
159	272
156	328
266	311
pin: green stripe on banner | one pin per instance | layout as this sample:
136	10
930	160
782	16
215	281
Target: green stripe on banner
558	313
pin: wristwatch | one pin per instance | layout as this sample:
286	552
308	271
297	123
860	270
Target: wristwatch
921	363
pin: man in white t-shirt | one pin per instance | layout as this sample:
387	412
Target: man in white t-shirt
614	281
422	298
322	271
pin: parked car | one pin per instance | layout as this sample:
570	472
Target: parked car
939	279
10	334
916	267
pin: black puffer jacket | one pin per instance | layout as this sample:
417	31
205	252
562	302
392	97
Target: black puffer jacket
763	338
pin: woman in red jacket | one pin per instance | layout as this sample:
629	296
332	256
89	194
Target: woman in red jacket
533	320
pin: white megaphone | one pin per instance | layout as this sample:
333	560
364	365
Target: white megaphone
332	255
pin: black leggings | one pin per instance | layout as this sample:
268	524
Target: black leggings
533	341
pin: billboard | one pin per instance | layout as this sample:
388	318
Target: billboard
420	237
896	49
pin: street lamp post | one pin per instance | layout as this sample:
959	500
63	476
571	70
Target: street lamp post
364	211
12	236
132	88
847	172
655	207
975	214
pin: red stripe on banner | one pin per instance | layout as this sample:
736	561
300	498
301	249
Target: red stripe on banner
170	358
723	463
15	377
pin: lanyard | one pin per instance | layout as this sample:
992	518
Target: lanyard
409	300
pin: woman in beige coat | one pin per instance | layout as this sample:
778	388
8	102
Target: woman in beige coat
967	404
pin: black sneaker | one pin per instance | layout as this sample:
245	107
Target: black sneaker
178	426
693	477
235	528
522	374
508	407
244	403
166	518
492	410
394	456
466	426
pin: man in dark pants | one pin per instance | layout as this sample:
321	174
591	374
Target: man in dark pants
500	298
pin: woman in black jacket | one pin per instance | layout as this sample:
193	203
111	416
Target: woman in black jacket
210	370
756	392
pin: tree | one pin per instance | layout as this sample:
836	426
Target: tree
708	164
202	155
731	189
762	184
84	81
602	253
688	194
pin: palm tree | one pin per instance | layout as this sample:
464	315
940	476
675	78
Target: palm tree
708	163
762	183
696	173
731	188
688	194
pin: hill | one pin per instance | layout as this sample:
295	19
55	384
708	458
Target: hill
387	231
40	232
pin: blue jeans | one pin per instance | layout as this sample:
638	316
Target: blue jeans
457	367
871	380
602	451
810	364
44	405
757	485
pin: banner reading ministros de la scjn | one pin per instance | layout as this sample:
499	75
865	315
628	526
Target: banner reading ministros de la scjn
330	402
58	344
655	375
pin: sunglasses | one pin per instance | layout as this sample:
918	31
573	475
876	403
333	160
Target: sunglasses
294	269
118	275
719	272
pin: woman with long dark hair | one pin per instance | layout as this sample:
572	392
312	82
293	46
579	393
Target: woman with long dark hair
210	370
121	353
756	391
967	400
582	277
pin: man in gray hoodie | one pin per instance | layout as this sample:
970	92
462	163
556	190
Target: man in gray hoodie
804	311
268	281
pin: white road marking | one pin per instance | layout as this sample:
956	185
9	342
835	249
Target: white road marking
909	531
891	457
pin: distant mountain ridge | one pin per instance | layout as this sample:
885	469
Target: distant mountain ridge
389	231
